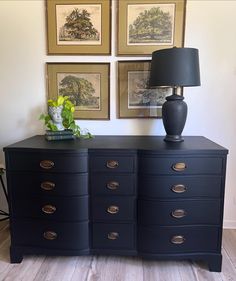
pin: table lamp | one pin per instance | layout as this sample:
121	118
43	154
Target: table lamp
175	68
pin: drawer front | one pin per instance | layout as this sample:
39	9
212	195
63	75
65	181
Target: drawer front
179	166
48	184
52	208
51	235
113	236
48	162
180	187
164	240
179	212
113	208
113	184
112	164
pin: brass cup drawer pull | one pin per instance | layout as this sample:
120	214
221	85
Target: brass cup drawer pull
113	209
178	213
46	164
113	185
49	209
112	164
179	188
48	185
179	167
50	235
178	239
113	235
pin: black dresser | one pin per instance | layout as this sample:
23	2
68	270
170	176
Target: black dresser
117	195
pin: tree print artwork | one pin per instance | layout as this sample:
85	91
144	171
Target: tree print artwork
78	24
150	24
83	90
139	93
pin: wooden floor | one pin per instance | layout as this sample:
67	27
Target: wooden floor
41	268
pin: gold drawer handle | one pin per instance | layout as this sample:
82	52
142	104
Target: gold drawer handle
112	164
178	239
113	235
113	209
50	235
179	188
113	185
178	213
179	167
46	164
49	209
48	185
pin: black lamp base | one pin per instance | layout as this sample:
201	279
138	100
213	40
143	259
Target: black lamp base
173	138
174	114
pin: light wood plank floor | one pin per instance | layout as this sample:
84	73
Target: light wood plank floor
101	268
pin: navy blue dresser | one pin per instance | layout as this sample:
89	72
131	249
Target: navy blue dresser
117	195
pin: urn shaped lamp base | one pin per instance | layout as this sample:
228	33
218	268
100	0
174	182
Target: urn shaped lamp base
173	138
174	114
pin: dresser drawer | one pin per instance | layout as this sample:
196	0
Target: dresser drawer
113	184
112	164
52	208
179	212
48	162
180	187
113	236
51	235
114	208
33	183
164	240
179	165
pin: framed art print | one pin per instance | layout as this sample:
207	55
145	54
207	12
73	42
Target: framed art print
79	27
136	99
86	85
145	26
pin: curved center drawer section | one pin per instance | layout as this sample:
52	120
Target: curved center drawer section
113	184
51	235
179	212
49	184
114	208
179	165
49	162
52	208
112	163
113	236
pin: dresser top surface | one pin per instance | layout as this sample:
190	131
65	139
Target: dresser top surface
191	144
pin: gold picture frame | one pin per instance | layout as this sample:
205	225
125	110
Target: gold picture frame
136	99
63	35
86	84
138	36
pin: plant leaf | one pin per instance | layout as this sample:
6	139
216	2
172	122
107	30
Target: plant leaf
60	100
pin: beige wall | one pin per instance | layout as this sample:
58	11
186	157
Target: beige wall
209	27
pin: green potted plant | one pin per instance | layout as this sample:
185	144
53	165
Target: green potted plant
60	117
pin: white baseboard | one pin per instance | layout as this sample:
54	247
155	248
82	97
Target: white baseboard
229	224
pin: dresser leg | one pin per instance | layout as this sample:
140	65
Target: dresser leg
15	256
215	263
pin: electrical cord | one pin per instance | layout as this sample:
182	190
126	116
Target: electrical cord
3	213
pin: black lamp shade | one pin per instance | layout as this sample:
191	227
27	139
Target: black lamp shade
175	67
